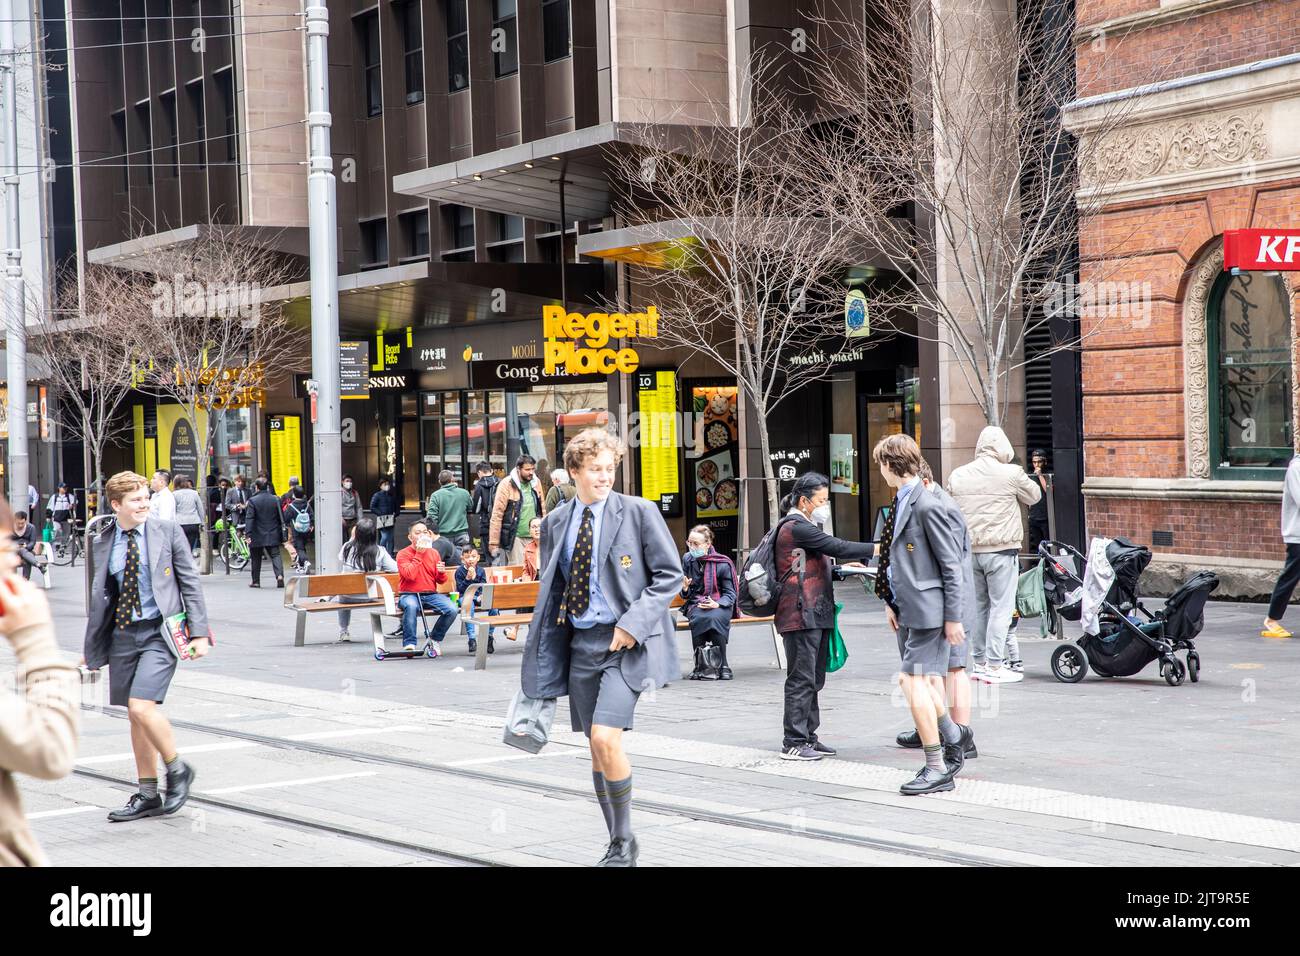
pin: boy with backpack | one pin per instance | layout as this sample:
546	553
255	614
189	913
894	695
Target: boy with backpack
300	520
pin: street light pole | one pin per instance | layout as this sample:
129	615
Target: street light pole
322	216
15	311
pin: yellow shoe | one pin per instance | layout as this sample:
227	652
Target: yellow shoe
1277	630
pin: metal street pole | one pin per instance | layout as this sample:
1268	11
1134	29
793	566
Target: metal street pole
15	312
322	216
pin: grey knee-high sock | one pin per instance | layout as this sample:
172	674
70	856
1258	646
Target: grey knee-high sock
602	797
620	800
948	729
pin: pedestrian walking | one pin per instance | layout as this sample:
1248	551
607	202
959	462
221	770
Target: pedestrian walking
33	500
300	520
956	682
351	506
236	503
288	495
264	525
805	608
144	574
162	503
481	502
710	603
38	722
421	571
1039	526
602	633
189	510
361	554
63	509
448	510
518	500
925	578
561	489
990	491
1290	576
383	505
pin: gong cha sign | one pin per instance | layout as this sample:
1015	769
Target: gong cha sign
577	344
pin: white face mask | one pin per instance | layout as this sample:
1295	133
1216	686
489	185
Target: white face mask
821	514
347	484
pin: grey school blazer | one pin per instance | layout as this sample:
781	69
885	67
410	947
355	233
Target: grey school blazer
172	575
640	574
926	561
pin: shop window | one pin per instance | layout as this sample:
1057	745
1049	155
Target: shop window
505	42
413	48
1250	363
555	29
368	30
457	45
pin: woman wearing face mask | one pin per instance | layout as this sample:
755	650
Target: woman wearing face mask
710	596
805	608
351	507
383	505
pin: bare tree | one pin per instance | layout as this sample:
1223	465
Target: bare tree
749	274
951	156
210	339
85	351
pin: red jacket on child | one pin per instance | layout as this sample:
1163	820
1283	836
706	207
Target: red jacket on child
419	570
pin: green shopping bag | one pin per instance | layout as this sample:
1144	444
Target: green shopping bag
836	651
47	532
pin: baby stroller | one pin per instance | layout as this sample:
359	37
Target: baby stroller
1128	637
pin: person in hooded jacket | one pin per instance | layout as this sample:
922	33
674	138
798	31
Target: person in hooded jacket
480	504
383	505
519	500
990	492
710	596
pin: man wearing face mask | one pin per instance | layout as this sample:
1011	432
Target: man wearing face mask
805	608
383	505
351	507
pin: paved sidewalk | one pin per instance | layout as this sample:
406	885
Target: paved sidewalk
1102	772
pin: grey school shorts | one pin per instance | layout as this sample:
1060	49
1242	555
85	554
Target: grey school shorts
923	650
959	656
139	663
598	694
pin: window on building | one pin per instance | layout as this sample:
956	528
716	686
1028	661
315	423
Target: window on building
368	27
413	45
145	153
374	244
120	155
457	45
505	41
460	227
226	95
194	91
168	103
556	43
415	233
1250	367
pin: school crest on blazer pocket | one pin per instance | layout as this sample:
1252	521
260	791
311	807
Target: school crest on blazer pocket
626	561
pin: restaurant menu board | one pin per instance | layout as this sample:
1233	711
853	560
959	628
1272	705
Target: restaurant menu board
660	476
354	369
286	449
717	442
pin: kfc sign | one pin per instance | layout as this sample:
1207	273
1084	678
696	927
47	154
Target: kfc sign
1262	250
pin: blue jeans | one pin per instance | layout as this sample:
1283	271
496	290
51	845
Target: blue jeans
410	605
386	539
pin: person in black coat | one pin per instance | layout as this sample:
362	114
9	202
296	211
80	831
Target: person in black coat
480	503
264	525
710	596
805	607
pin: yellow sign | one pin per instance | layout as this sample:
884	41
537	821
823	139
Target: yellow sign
657	403
564	331
286	449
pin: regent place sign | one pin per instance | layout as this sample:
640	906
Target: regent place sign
578	344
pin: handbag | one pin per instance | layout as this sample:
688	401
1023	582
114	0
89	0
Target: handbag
836	650
385	521
528	722
175	630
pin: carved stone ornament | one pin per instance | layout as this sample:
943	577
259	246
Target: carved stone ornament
1162	148
1196	371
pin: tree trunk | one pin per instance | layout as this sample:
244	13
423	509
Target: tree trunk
769	477
205	532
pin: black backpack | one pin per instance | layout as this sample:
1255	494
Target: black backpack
760	584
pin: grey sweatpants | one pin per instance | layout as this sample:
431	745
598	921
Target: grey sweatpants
995	600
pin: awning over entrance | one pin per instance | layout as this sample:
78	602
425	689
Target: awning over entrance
140	254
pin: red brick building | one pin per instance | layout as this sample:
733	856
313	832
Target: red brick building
1189	403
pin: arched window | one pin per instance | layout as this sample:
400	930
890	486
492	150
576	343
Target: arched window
1249	340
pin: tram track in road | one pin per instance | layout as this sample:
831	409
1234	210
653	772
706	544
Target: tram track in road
803	830
288	819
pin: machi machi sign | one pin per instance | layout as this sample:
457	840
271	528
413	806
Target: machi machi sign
578	343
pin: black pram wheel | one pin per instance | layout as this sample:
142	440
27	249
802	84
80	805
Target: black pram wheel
1193	666
1173	671
1069	663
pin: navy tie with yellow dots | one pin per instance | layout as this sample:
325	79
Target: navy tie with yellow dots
577	596
128	601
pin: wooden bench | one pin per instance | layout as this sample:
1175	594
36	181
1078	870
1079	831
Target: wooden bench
685	625
515	596
305	588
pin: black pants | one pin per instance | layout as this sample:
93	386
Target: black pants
273	552
1286	583
805	675
1037	532
192	534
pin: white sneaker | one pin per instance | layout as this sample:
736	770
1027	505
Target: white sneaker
977	672
344	635
1002	675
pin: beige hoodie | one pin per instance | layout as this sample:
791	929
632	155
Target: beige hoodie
990	491
38	734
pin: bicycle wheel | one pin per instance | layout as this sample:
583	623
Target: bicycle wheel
235	557
61	553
